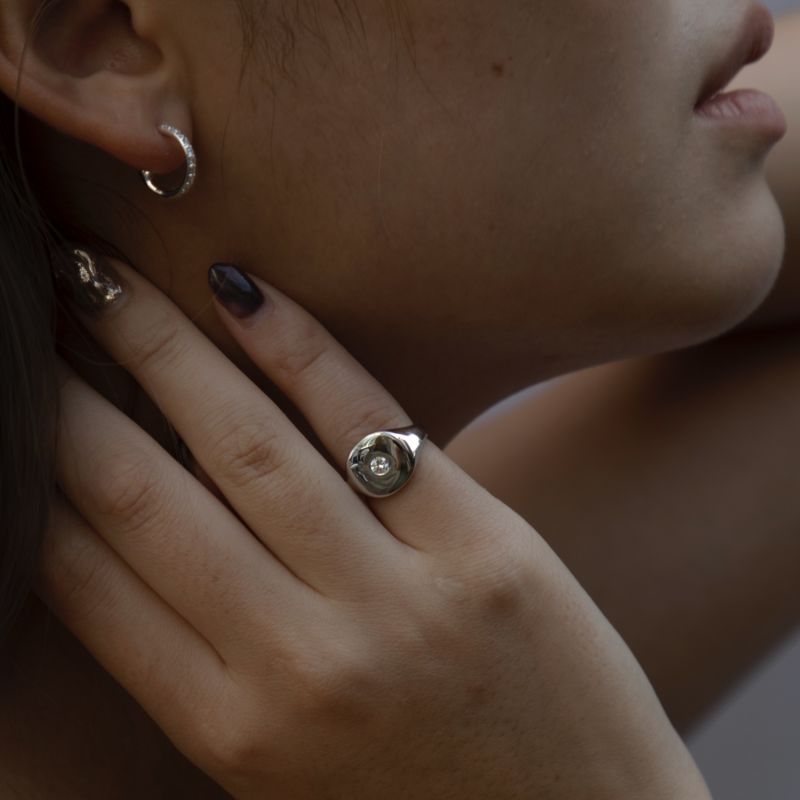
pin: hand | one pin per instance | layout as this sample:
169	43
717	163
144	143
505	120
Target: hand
303	642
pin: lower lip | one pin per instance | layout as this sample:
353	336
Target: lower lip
745	108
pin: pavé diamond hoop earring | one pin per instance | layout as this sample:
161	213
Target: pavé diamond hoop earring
191	166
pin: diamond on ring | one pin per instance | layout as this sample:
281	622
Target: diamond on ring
382	463
380	466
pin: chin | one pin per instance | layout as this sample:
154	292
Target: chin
752	251
696	287
727	276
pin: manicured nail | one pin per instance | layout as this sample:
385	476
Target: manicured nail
88	280
235	290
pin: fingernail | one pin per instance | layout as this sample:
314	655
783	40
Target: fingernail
88	280
235	290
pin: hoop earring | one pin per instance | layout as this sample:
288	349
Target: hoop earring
191	165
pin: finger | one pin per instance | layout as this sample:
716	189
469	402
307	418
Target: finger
281	487
154	654
344	403
179	539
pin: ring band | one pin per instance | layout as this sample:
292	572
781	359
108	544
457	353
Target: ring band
382	463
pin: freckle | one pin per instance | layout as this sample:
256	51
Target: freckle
498	69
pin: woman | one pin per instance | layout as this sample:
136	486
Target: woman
548	163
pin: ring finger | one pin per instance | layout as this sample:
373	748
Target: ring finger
168	528
282	488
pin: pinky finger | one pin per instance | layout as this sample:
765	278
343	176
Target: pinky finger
152	652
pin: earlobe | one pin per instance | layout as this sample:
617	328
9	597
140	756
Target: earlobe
82	68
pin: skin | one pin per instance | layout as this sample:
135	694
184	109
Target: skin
716	426
384	145
469	199
318	646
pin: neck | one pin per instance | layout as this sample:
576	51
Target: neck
442	388
439	381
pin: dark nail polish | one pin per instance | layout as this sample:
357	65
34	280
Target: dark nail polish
235	290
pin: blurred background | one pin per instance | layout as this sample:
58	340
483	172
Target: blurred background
749	749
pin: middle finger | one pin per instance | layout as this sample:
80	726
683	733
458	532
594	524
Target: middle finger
167	528
283	489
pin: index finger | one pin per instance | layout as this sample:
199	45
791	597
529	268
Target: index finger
441	507
287	494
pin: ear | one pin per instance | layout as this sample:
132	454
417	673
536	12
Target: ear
98	71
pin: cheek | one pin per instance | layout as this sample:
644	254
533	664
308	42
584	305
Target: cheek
538	159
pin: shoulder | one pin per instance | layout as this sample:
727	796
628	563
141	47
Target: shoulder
687	430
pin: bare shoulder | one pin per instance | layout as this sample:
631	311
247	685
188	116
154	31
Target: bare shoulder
741	390
701	429
659	423
670	486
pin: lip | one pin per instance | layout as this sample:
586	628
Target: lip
753	42
745	108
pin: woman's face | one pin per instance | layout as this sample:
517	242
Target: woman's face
525	178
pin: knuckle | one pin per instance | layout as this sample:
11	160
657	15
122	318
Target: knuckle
503	596
495	579
159	344
233	742
83	577
128	491
251	451
343	688
234	750
371	413
299	352
506	580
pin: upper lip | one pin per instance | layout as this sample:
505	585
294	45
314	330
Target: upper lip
755	38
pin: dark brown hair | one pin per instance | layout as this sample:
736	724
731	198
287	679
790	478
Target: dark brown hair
28	390
29	244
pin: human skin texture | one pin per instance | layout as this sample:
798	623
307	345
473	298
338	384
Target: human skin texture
526	181
532	193
676	483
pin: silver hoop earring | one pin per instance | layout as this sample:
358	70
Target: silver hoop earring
191	165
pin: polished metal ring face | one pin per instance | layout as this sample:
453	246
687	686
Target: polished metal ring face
382	463
191	166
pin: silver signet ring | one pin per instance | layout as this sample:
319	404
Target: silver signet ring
382	463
